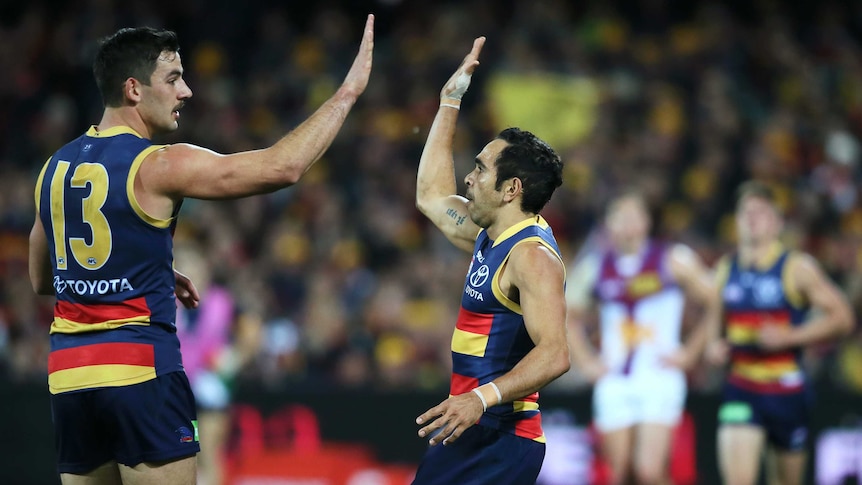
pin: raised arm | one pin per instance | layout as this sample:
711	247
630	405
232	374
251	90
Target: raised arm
831	315
435	182
183	170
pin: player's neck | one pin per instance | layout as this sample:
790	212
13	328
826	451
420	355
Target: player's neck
124	116
505	220
757	253
631	248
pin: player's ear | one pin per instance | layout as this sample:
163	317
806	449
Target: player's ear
512	188
132	90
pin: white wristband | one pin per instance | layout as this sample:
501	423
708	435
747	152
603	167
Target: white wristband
481	398
449	105
497	390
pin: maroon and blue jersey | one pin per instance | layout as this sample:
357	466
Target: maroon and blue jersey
490	337
754	297
112	266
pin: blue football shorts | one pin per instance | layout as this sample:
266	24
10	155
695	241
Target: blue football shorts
153	421
784	417
480	456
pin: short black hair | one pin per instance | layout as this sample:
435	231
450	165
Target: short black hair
129	52
534	162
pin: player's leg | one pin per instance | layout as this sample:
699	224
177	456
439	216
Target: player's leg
177	472
786	467
661	398
214	426
617	451
740	447
105	474
213	399
614	415
650	455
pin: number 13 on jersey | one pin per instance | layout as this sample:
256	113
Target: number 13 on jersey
87	175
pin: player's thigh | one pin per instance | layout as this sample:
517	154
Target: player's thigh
105	474
177	472
740	447
786	467
652	445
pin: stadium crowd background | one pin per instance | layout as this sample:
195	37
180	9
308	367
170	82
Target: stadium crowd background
350	285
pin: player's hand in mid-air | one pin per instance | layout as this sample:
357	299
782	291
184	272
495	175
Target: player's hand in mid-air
452	417
357	78
457	85
186	291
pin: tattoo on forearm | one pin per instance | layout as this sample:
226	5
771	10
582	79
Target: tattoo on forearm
458	218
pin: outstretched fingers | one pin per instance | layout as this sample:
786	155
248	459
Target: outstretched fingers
472	59
357	78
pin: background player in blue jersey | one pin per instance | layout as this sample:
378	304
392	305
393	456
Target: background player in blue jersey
510	337
101	242
771	304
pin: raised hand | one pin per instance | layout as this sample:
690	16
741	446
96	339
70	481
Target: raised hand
357	78
457	85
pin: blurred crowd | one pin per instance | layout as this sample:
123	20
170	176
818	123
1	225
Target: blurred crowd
339	281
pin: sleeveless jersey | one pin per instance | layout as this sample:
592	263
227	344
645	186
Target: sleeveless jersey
753	297
112	265
640	311
490	336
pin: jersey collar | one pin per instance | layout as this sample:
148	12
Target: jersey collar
112	131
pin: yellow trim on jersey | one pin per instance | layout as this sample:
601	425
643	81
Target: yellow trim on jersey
112	131
38	191
541	439
740	335
469	343
62	325
512	230
521	406
764	371
794	297
130	190
105	375
495	281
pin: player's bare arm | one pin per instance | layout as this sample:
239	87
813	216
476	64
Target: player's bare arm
533	277
696	282
182	170
831	318
717	350
435	181
581	315
39	265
